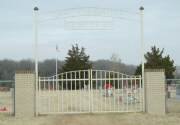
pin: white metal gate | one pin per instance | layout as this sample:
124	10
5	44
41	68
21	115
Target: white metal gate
89	91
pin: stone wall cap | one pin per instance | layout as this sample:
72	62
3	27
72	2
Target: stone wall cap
24	72
154	70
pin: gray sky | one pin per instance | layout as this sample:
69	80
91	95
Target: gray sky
161	20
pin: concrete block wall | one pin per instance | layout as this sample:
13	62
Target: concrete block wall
24	94
155	94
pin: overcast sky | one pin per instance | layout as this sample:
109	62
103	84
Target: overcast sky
161	22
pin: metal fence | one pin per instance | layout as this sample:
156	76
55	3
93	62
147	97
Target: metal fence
7	96
90	91
173	95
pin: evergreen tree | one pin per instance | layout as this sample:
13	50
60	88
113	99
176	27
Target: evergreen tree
76	60
155	60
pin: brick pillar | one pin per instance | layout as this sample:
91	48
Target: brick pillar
24	94
155	94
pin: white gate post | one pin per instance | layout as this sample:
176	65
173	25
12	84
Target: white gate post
36	48
142	48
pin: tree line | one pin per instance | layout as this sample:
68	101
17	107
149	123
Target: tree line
47	67
77	59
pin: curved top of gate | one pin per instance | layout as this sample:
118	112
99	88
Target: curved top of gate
85	74
88	11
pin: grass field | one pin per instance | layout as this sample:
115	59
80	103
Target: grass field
95	119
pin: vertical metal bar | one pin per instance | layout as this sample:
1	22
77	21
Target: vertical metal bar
140	90
43	83
105	90
96	90
114	92
66	92
143	95
84	95
131	98
75	96
71	91
39	93
89	77
53	91
122	92
48	82
92	93
127	94
80	90
109	92
56	65
49	95
135	94
39	96
101	89
62	92
58	95
47	90
56	84
140	97
53	84
118	95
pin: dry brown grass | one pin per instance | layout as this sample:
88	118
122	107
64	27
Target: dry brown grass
95	119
